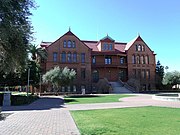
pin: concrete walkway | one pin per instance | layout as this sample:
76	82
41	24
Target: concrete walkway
49	116
46	116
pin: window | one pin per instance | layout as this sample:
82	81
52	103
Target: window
134	73
69	44
63	89
74	88
69	88
122	60
64	44
133	59
82	57
146	59
104	46
69	57
139	48
137	59
74	57
136	47
93	59
143	74
143	49
138	75
83	73
63	57
148	73
108	60
107	46
55	56
110	47
95	76
73	44
142	60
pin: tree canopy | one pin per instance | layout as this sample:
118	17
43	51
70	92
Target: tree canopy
172	78
59	76
15	33
159	75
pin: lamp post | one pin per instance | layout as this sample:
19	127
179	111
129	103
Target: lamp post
28	81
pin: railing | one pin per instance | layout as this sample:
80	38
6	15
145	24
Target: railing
102	64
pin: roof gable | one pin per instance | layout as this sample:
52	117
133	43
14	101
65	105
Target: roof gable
107	39
129	44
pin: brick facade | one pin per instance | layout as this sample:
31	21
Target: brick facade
106	58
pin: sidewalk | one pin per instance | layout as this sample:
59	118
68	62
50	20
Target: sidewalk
46	116
49	116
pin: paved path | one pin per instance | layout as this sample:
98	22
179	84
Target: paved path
45	116
49	116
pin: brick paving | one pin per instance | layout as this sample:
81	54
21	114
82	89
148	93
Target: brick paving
44	117
49	116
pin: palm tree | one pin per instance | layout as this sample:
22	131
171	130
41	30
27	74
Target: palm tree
36	51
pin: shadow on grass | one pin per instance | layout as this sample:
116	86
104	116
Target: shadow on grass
82	96
72	98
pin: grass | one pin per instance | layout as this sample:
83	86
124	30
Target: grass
129	121
93	99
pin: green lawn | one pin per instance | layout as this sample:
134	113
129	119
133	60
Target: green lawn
129	121
93	99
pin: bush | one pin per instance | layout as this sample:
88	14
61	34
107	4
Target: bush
1	99
22	99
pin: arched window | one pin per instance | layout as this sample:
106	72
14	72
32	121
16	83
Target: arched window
63	57
64	44
137	59
133	59
74	57
142	60
69	57
136	47
69	43
139	48
73	44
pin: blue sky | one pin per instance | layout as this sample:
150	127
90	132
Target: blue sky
157	21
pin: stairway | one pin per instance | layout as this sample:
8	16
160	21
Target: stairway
118	88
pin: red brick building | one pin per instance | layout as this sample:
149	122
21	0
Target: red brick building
106	58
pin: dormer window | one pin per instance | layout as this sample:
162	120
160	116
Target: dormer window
110	47
107	46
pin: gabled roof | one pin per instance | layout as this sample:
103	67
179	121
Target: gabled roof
107	38
129	44
118	46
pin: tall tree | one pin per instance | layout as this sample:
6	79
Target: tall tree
159	74
36	51
15	33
